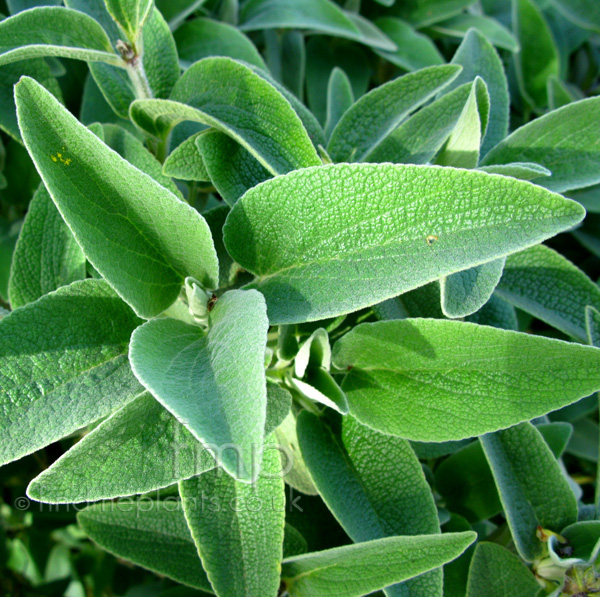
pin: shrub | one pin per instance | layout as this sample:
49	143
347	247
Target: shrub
290	350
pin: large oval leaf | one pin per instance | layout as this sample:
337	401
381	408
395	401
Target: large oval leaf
439	380
136	233
327	241
213	382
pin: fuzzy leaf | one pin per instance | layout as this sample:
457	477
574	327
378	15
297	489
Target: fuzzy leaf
565	141
46	256
496	572
375	115
89	327
365	223
542	282
439	380
230	97
238	528
151	534
374	485
533	490
55	31
214	382
317	15
355	570
142	245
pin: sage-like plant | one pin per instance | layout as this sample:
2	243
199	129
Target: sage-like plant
306	352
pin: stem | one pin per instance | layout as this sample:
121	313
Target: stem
137	74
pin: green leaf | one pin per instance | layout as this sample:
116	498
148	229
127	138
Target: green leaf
55	31
46	256
151	534
565	141
533	490
202	38
538	59
479	59
144	263
439	380
89	326
584	13
373	484
228	270
321	16
559	94
542	282
465	480
9	234
211	88
375	115
496	572
130	15
10	74
461	150
298	476
214	382
185	161
419	138
347	253
366	567
520	170
138	449
491	29
238	528
464	293
231	168
339	98
426	12
133	150
414	50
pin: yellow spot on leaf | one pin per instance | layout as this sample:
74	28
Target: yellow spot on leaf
53	158
431	239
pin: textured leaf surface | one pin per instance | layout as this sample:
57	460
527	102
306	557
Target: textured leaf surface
565	141
130	14
585	13
532	487
47	255
355	570
426	12
185	161
140	448
238	528
464	293
232	98
318	15
496	572
54	31
544	283
479	59
378	113
89	327
135	232
232	169
214	382
363	226
438	380
374	485
419	138
153	535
